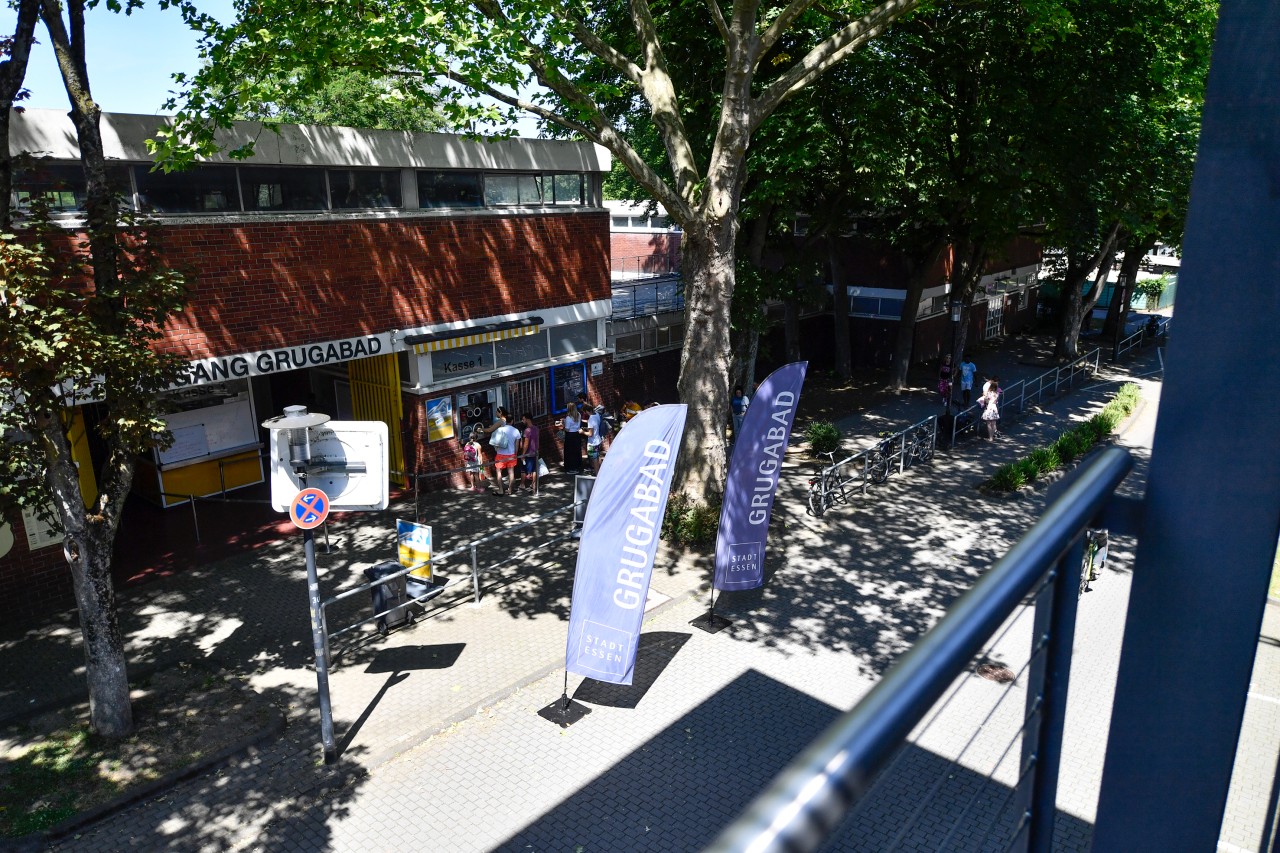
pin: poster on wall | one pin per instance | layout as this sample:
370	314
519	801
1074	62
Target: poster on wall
567	382
439	419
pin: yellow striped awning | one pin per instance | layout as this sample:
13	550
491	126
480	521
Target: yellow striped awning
476	337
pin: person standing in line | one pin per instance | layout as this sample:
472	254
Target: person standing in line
990	401
500	419
944	382
505	441
473	459
571	423
595	439
968	370
738	404
530	443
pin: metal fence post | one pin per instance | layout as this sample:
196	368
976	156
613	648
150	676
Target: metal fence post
475	572
195	519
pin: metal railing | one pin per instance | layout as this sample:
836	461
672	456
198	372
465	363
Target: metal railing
1027	392
1144	336
893	453
645	266
471	549
809	798
645	299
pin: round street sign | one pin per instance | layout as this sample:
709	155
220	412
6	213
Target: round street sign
309	509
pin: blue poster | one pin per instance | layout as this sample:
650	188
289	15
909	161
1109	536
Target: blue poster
619	538
753	479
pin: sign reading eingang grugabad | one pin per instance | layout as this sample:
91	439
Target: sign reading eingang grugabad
754	468
619	538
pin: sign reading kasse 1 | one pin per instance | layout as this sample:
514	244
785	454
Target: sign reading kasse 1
285	358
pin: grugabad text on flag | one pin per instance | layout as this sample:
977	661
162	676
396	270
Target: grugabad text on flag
619	538
753	478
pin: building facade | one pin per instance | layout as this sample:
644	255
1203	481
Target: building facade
421	280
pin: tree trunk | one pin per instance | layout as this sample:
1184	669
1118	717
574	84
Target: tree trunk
1072	302
902	348
1118	311
89	538
87	544
12	72
708	265
840	310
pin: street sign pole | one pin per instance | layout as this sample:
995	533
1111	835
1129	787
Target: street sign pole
317	639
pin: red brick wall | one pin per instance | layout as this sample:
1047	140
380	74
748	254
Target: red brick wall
656	248
261	286
33	583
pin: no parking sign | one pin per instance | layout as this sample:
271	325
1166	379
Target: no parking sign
309	509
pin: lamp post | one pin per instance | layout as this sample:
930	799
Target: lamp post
298	422
957	306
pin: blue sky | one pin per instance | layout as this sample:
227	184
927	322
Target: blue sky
131	58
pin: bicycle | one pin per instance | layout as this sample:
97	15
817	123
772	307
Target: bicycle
826	487
879	458
920	444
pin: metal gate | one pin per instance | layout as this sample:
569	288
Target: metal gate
375	396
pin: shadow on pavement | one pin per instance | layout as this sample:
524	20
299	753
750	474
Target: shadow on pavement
655	651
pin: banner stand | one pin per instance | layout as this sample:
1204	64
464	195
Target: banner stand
564	712
709	621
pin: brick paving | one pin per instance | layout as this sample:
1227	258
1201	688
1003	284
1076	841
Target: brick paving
443	749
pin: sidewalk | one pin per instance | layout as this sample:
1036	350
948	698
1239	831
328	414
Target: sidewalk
846	594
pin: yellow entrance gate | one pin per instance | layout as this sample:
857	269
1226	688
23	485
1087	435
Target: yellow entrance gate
375	396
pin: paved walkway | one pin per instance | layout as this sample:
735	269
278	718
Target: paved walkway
443	750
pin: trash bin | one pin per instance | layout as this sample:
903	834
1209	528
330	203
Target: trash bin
390	596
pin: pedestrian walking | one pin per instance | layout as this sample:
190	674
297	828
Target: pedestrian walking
990	401
968	370
571	423
738	404
505	441
945	380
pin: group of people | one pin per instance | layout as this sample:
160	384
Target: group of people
583	425
991	393
514	448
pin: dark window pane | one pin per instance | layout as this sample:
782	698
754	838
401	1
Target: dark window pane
274	188
62	187
449	189
568	189
574	337
352	188
530	188
204	189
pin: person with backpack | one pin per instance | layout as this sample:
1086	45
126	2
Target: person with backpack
597	430
504	441
473	460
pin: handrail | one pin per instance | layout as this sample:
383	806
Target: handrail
809	798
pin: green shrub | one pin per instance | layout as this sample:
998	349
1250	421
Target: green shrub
823	437
1045	460
1008	478
689	524
1065	447
1027	467
1105	423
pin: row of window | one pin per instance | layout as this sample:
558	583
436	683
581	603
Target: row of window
551	343
231	189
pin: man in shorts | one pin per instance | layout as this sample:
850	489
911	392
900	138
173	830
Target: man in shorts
505	441
595	439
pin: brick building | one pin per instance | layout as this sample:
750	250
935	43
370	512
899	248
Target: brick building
417	279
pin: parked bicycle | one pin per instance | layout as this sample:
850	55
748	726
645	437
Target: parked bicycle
920	444
879	458
826	487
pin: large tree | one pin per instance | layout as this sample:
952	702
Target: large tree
80	313
583	64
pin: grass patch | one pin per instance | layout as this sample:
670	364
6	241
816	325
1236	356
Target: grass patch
53	768
1070	446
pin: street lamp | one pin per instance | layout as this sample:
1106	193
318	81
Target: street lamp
957	306
298	421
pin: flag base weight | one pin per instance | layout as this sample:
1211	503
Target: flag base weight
564	712
712	623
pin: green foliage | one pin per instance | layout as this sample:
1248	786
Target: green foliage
1152	288
690	524
1008	478
823	437
39	787
1069	446
1045	460
354	98
65	340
